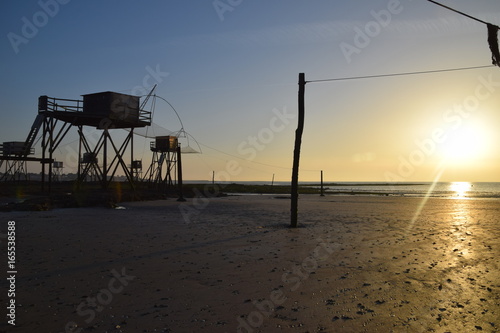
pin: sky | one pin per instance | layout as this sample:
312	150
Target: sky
229	68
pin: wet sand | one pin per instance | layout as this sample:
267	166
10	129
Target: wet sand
355	264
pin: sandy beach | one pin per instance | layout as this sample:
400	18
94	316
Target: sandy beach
231	264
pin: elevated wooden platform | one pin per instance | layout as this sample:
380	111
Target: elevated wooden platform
81	119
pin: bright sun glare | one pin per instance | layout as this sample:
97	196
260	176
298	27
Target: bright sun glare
465	144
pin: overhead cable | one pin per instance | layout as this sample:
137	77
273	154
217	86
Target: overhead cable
492	33
399	74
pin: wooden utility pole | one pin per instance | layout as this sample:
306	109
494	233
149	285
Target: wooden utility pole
179	174
296	152
322	192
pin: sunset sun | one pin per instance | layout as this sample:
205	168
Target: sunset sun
466	144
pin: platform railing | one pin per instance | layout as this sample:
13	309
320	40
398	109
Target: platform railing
52	104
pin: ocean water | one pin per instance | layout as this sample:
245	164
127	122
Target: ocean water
440	189
420	189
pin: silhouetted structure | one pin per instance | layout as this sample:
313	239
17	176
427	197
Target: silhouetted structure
57	168
136	168
163	168
15	157
105	111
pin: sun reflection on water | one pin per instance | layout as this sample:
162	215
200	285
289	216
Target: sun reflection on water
460	189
